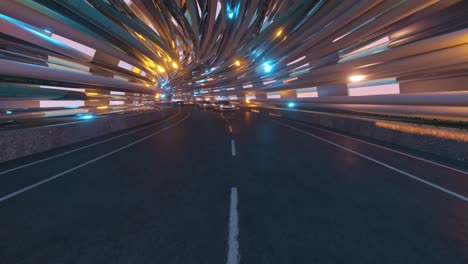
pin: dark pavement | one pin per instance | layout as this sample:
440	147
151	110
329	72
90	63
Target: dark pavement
163	193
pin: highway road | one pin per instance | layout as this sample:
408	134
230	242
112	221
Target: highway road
206	187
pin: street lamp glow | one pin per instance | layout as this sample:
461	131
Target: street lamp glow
161	69
267	67
291	105
174	65
357	78
231	15
237	63
279	33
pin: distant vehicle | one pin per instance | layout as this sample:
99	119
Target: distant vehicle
179	103
224	106
205	105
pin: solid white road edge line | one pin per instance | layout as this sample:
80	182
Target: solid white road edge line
233	147
37	184
389	149
81	148
233	230
440	188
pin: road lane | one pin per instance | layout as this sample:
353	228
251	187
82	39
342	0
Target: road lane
169	199
161	202
91	161
452	179
19	174
302	200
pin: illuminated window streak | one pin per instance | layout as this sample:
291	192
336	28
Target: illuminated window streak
273	95
301	67
58	103
154	29
65	63
66	68
307	92
371	45
120	78
298	73
295	61
290	80
125	65
375	90
307	95
63	88
268	82
116	102
218	9
199	9
355	29
73	44
117	93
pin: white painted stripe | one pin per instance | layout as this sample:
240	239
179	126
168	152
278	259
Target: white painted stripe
433	185
233	147
11	195
233	230
81	148
389	149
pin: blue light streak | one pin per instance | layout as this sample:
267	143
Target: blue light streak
85	117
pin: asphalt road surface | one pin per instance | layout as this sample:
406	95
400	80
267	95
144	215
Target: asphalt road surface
206	187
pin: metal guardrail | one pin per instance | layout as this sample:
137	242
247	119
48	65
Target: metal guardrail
25	115
451	106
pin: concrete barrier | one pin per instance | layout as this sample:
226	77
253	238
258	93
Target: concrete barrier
445	142
23	142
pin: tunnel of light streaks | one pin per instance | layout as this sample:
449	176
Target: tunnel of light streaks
116	52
